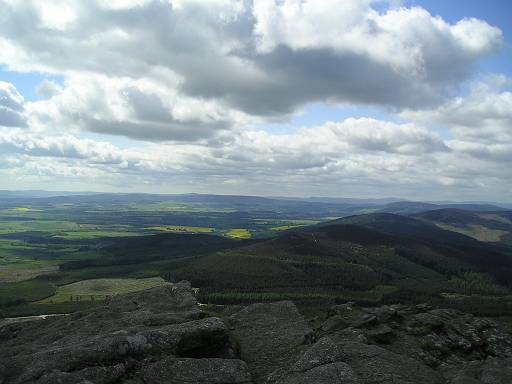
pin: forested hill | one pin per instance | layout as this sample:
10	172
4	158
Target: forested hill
349	261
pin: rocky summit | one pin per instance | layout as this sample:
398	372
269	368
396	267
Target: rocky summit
162	335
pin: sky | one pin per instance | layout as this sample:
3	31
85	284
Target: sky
410	99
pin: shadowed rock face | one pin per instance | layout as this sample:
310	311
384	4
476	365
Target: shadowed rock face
270	336
162	336
214	371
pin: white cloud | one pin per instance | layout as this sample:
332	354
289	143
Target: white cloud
349	157
11	106
21	142
484	115
140	108
408	39
204	66
56	15
48	88
193	79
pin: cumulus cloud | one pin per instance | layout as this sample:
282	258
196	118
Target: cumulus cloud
480	122
47	88
11	106
305	148
403	38
483	115
138	108
371	134
248	60
59	146
350	157
193	81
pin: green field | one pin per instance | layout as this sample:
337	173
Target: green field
181	228
25	270
37	225
25	291
238	233
91	234
99	289
25	209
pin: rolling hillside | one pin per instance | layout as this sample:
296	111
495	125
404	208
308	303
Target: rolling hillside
414	261
145	249
412	207
488	226
406	226
345	261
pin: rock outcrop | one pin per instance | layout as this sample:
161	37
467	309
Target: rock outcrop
162	336
123	340
271	336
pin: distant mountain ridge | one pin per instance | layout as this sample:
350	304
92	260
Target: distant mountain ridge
405	226
411	207
344	200
386	204
39	194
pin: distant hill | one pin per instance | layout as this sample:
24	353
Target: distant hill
405	226
492	226
341	259
310	206
265	207
144	249
411	207
7	194
344	200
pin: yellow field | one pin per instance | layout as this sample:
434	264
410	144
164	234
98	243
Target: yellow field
24	209
285	227
99	289
239	233
181	228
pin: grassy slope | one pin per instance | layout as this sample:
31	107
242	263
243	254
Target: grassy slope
99	289
483	226
25	291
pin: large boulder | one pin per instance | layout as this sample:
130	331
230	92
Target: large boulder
321	363
270	336
429	345
198	371
333	373
489	371
376	365
96	375
107	343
